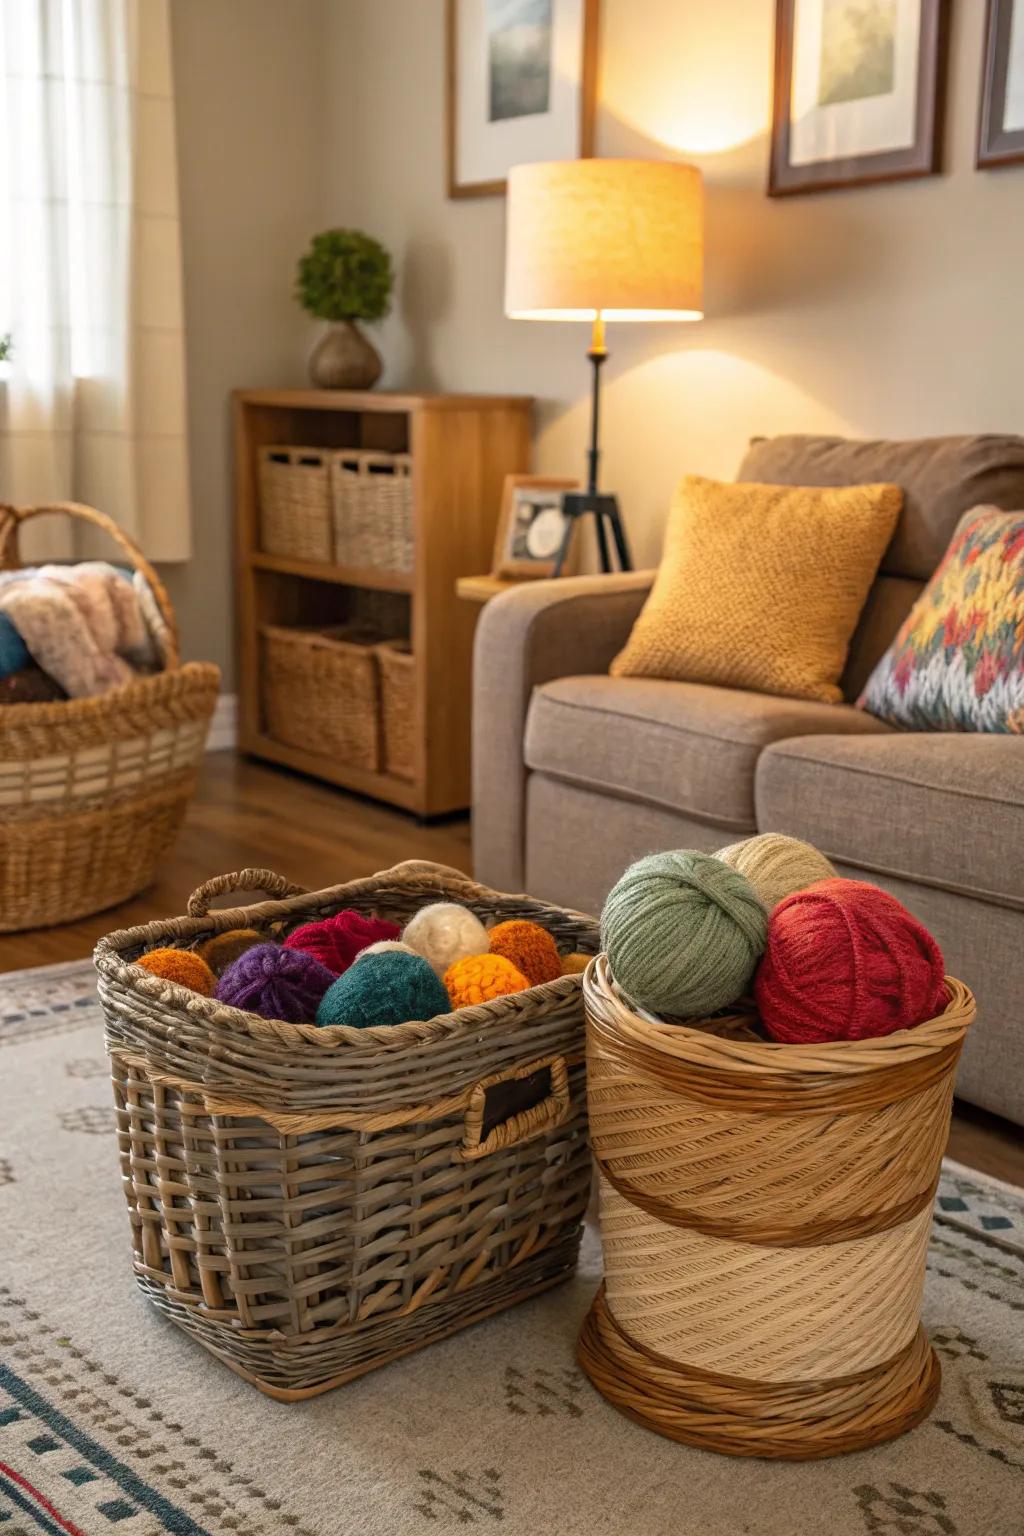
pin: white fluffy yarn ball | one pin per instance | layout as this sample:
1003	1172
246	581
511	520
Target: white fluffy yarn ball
445	932
382	947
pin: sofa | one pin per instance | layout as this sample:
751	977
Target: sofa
576	773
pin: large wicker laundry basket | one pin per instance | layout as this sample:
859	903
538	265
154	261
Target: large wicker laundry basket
765	1211
94	791
312	1203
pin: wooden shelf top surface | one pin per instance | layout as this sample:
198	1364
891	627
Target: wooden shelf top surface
342	575
376	400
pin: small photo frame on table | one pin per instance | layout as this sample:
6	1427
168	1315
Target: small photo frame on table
522	77
1001	120
858	92
531	528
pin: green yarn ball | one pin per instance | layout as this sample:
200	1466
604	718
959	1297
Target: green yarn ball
684	933
385	988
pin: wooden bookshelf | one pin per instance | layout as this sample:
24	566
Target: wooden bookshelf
462	447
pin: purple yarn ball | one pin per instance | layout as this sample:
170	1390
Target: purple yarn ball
276	983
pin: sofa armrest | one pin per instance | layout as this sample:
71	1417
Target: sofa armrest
530	635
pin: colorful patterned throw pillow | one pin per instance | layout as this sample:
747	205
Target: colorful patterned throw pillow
957	664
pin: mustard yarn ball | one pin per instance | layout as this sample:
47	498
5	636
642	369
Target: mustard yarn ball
575	965
182	966
683	932
530	948
445	932
225	948
777	866
481	978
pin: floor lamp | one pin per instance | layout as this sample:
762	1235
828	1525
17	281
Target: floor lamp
599	241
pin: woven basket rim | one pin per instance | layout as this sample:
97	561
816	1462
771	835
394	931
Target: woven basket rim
440	884
773	1059
140	693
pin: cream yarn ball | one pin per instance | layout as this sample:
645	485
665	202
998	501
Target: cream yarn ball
445	932
777	866
385	946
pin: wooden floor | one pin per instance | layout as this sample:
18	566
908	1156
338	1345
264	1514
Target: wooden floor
247	814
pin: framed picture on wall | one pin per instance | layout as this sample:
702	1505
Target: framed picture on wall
522	78
1001	120
532	526
858	92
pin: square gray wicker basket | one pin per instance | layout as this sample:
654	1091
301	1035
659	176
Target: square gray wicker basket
313	1203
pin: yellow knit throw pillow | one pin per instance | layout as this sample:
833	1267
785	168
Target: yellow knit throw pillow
761	586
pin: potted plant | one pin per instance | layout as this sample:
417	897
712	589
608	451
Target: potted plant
344	277
6	348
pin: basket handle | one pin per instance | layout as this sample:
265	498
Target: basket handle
515	1105
242	880
426	867
11	519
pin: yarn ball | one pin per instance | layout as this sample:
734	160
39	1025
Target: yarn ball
335	941
385	947
777	866
13	650
445	932
181	965
683	933
276	983
531	949
224	948
846	961
481	978
384	989
575	965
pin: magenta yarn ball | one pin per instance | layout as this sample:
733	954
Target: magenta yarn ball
337	940
276	983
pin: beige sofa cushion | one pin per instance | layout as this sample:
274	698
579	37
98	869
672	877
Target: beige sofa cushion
938	808
686	746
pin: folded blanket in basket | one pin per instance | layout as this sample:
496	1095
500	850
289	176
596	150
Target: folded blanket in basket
83	624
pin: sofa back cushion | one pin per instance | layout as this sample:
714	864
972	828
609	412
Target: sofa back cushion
941	478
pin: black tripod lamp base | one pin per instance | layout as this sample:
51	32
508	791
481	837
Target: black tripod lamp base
607	526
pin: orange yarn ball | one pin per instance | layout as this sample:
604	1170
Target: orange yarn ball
530	948
481	978
182	966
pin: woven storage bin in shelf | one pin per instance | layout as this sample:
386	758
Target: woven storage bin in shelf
321	692
312	1203
295	503
94	791
371	495
765	1211
398	707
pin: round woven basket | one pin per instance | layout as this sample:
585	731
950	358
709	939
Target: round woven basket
93	791
765	1211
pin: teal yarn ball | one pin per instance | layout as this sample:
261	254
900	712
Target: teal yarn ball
385	988
683	933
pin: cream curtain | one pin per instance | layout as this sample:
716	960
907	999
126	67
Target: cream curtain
92	405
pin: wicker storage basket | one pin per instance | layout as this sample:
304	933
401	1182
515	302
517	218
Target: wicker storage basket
313	1203
321	691
93	791
295	503
371	494
765	1211
398	707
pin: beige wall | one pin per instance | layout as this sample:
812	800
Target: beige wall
892	310
249	97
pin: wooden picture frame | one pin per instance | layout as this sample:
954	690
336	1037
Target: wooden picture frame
510	558
790	173
997	144
494	186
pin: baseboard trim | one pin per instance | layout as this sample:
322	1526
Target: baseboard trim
224	725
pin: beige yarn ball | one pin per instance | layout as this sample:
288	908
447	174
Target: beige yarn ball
446	932
384	946
776	865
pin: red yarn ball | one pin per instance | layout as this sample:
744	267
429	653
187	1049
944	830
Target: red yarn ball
336	941
846	961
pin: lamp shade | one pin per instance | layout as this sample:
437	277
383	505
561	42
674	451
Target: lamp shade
621	237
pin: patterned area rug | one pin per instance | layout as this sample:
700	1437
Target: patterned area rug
112	1423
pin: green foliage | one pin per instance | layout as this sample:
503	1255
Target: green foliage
345	275
6	348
